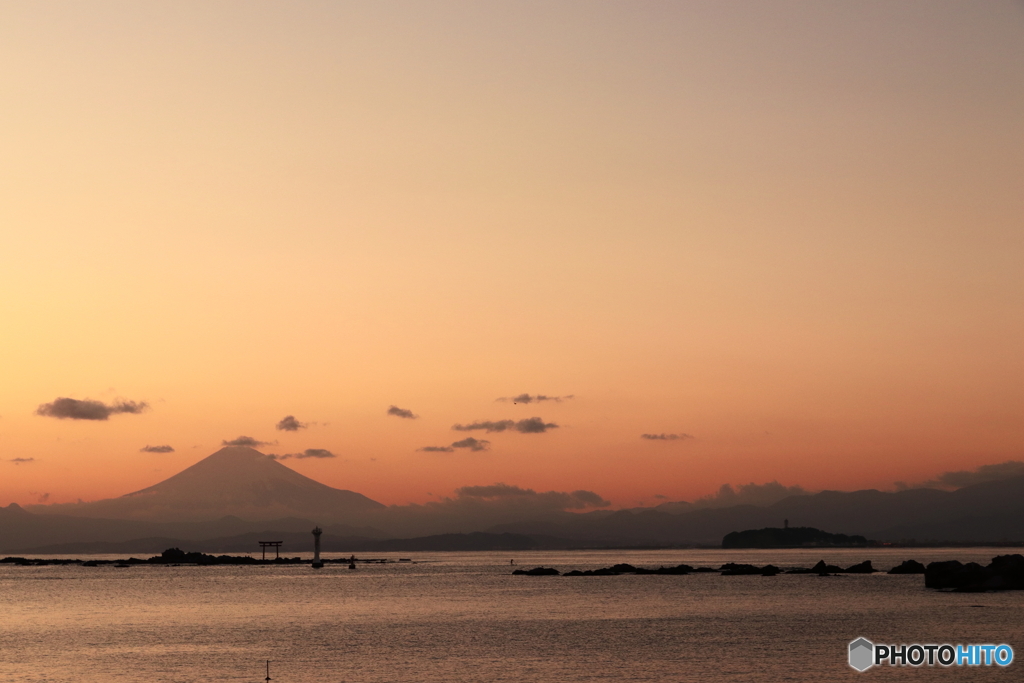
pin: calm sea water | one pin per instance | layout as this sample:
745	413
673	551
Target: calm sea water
463	617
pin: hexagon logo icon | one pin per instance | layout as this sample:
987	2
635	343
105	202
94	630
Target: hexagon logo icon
862	654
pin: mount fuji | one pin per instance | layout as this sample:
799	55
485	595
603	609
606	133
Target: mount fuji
237	481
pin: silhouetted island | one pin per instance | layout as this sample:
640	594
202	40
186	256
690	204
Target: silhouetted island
791	537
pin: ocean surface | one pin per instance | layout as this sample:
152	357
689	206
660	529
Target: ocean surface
464	617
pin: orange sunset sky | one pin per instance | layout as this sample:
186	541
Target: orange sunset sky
791	233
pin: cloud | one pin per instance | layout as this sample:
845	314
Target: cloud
401	412
499	426
289	424
589	498
499	490
156	449
41	497
961	478
472	444
527	398
308	453
749	494
73	409
18	461
245	441
469	442
666	437
532	425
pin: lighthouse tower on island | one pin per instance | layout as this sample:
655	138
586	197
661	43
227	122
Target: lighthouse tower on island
317	562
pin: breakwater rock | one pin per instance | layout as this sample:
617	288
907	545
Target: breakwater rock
908	567
1005	572
536	571
617	569
728	569
820	568
862	568
733	569
175	557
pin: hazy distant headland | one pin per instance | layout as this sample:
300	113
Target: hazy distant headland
236	496
791	537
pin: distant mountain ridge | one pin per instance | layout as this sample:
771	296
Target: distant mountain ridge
991	511
238	491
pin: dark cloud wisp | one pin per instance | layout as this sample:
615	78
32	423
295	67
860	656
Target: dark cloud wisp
666	437
245	441
73	409
961	478
499	490
18	461
472	444
537	398
156	449
469	443
401	412
289	424
308	453
532	425
486	425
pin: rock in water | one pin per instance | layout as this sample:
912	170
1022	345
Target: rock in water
862	568
821	567
908	567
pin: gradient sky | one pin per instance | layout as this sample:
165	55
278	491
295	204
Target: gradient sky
791	230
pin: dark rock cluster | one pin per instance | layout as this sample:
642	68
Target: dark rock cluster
728	569
862	568
1005	572
733	569
171	556
617	569
537	571
29	562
